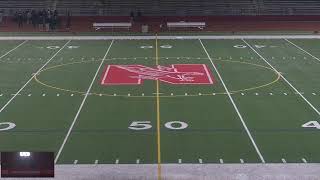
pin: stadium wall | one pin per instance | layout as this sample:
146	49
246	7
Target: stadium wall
214	23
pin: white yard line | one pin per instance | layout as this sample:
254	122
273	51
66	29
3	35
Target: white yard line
234	105
13	49
39	70
302	50
315	109
82	103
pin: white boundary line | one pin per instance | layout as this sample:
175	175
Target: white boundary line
81	105
234	105
315	109
302	50
13	49
39	70
159	37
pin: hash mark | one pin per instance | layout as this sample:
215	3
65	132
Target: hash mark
15	94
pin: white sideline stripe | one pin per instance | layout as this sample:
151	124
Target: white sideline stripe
32	77
316	110
13	49
81	105
302	50
234	105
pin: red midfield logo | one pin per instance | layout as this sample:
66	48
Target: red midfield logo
176	74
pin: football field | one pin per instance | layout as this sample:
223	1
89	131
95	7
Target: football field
159	101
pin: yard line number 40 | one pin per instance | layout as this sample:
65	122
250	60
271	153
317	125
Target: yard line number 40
144	125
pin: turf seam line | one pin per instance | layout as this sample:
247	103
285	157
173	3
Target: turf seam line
39	70
280	74
302	50
13	49
234	105
81	105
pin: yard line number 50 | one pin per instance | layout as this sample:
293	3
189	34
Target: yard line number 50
144	125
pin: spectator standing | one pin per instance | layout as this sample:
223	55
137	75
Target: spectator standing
34	19
131	16
44	17
20	19
1	16
28	17
55	19
68	24
40	17
47	20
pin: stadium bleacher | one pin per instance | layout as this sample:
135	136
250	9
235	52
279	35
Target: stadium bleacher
170	7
